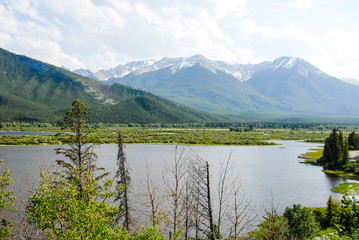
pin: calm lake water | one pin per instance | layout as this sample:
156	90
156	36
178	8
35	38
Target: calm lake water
269	174
25	133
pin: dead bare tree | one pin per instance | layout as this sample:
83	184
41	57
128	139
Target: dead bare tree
193	200
153	199
224	191
242	212
201	183
187	209
174	178
123	185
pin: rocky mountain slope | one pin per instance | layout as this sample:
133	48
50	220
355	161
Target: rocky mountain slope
285	86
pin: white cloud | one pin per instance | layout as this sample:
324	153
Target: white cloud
115	31
303	4
40	49
103	34
26	7
340	54
7	16
268	42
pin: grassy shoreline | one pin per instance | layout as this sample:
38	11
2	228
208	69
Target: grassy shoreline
256	137
344	188
347	188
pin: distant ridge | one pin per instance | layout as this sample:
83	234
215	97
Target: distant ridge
31	90
286	86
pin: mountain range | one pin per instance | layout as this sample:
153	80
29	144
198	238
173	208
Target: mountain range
287	86
31	90
174	90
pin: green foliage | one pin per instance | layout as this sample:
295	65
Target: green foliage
315	154
320	217
152	233
335	154
347	188
123	185
217	234
353	141
240	129
339	221
301	222
332	214
72	205
107	135
349	218
6	200
80	152
274	227
58	209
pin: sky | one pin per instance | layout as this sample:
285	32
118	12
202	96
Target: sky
101	34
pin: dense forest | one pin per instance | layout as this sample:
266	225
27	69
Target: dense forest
78	201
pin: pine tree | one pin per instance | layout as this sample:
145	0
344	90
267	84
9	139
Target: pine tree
335	154
332	214
351	140
123	184
82	166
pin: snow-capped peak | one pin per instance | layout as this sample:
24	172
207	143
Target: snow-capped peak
181	65
285	62
197	58
242	72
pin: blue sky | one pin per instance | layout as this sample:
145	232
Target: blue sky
97	34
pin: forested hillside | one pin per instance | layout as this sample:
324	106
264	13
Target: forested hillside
34	91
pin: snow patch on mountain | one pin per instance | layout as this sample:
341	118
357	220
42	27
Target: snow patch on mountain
284	62
242	72
177	67
84	72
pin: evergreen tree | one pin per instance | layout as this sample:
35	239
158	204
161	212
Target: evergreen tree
345	155
332	214
301	222
351	140
335	154
123	184
80	152
65	204
329	212
73	205
349	215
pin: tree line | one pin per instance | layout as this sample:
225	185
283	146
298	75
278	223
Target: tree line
231	125
336	152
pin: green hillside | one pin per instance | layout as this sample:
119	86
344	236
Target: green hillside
36	91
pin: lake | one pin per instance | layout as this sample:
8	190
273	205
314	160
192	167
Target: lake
270	175
3	133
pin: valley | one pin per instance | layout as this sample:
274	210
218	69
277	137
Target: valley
266	115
